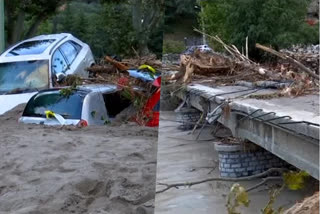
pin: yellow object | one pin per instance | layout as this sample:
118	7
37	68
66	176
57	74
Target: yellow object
147	67
49	114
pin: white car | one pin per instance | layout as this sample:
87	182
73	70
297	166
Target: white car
38	63
201	48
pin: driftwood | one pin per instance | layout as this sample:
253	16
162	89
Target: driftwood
248	178
102	69
208	64
148	60
120	66
291	60
204	64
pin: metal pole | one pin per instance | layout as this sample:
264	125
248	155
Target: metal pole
2	40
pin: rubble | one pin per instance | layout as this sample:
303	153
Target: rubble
115	72
307	55
307	206
295	73
148	60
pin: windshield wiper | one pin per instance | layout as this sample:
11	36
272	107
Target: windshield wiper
14	53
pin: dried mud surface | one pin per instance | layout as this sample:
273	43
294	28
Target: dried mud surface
76	170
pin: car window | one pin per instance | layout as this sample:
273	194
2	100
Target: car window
69	51
70	107
77	46
24	75
59	64
31	47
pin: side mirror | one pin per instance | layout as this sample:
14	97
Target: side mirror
60	77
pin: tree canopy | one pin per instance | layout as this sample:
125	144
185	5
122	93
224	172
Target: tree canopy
279	23
108	26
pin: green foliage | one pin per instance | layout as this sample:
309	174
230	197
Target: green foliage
236	198
171	46
22	18
180	10
118	30
176	8
107	27
295	180
279	23
239	197
273	194
73	81
67	92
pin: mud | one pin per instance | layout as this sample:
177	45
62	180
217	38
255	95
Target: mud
76	170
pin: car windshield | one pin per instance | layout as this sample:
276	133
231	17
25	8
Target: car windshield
19	77
70	107
31	47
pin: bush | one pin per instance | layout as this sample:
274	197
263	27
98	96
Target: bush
173	47
279	23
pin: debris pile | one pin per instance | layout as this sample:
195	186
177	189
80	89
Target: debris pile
308	55
308	205
296	72
138	82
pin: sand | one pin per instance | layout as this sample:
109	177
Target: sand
76	170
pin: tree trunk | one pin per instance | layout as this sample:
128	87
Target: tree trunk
138	23
18	28
34	26
55	25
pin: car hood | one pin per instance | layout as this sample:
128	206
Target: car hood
9	101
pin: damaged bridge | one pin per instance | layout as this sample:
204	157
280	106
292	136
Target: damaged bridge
287	127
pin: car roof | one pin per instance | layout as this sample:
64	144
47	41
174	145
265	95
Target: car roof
101	88
45	55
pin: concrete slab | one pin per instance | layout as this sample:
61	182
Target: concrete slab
303	108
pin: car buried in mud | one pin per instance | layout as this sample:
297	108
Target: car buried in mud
39	63
83	106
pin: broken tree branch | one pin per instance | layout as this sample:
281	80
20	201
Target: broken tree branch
117	64
291	60
102	69
189	184
242	59
231	49
264	180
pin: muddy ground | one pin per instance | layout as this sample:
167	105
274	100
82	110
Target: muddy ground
76	170
183	159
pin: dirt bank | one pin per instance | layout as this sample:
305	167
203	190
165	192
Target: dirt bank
76	170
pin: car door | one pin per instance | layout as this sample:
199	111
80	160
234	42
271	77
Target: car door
59	65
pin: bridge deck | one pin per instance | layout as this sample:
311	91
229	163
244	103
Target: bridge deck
287	127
